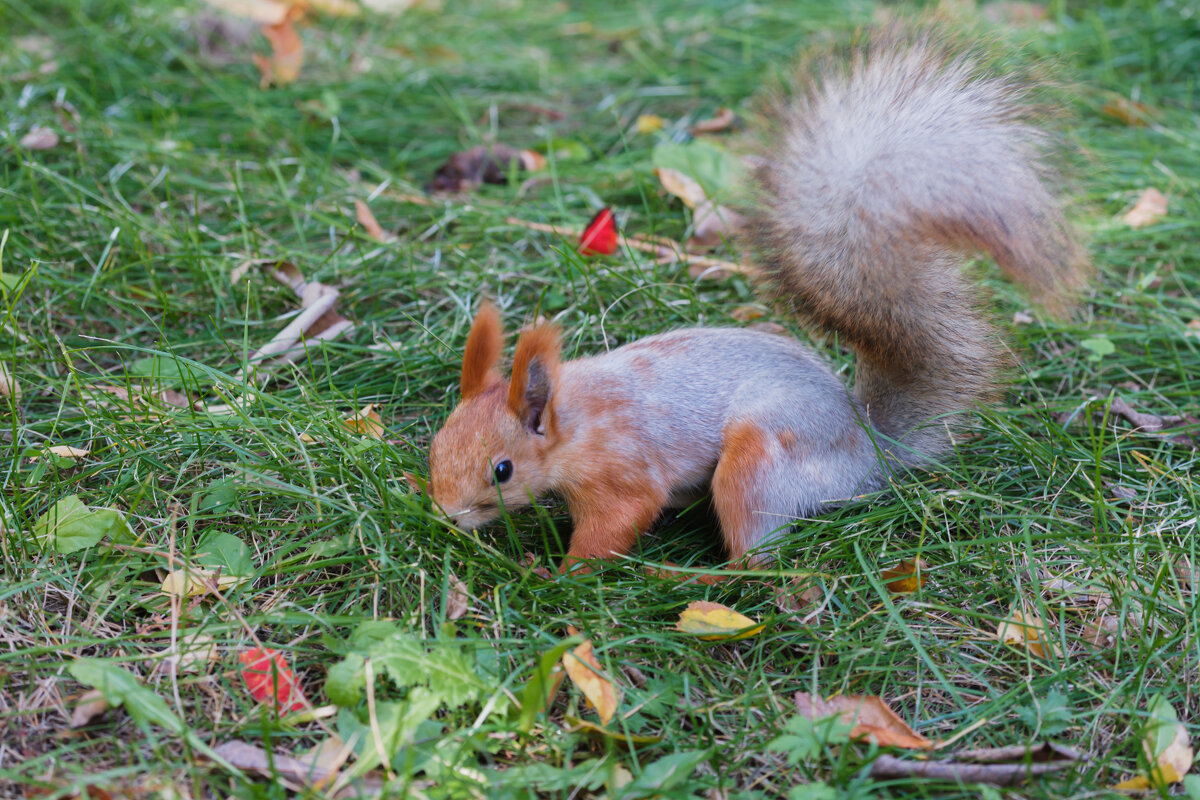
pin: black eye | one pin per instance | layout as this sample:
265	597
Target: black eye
503	471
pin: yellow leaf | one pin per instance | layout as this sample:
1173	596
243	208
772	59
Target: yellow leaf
365	218
585	672
1023	629
906	577
196	582
685	188
67	451
649	123
714	622
366	422
1151	205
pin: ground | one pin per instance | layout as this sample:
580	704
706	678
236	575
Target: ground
138	251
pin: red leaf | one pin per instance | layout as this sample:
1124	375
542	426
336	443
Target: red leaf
268	675
600	236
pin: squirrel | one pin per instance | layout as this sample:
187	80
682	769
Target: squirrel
887	175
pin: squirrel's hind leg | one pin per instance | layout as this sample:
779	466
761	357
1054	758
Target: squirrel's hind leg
768	474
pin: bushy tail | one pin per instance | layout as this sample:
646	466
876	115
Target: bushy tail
886	176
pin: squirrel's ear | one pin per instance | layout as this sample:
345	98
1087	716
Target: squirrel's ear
482	352
534	374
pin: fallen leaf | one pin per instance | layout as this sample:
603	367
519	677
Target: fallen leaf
197	582
712	225
1131	112
287	51
600	235
39	138
1022	318
723	120
597	732
747	313
715	622
91	705
264	12
365	421
367	220
685	188
871	717
586	673
1151	423
9	387
1151	206
648	123
1022	629
458	599
468	169
192	653
252	758
799	594
906	577
336	8
269	678
67	451
1166	744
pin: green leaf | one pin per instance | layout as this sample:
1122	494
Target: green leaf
163	370
1048	716
370	633
1160	728
665	773
122	688
396	721
1100	346
533	697
1191	785
817	790
345	681
441	666
805	740
71	526
226	552
714	168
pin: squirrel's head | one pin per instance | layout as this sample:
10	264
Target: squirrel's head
492	449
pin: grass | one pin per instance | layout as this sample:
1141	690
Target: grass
175	168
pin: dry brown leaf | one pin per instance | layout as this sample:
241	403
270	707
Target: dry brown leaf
1023	629
287	51
748	313
91	705
365	218
1152	423
799	594
365	421
1150	207
458	599
39	138
682	186
1128	111
870	716
468	169
307	772
586	673
9	387
723	120
906	577
712	225
714	622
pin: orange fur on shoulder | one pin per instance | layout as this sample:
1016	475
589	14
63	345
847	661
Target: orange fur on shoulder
534	372
482	352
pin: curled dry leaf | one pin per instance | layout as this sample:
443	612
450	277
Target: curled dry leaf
1168	751
39	139
308	772
906	577
871	717
711	223
586	673
287	51
1023	629
365	421
468	169
682	186
800	594
67	451
723	120
714	622
1150	207
9	387
458	599
1151	423
1130	112
91	705
365	218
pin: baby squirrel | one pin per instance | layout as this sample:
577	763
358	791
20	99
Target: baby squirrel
886	176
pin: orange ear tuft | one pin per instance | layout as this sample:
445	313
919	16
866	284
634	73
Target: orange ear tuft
534	374
482	352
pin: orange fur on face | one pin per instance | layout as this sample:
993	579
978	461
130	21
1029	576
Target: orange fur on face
482	352
743	455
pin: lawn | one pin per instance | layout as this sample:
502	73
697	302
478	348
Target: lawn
219	504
